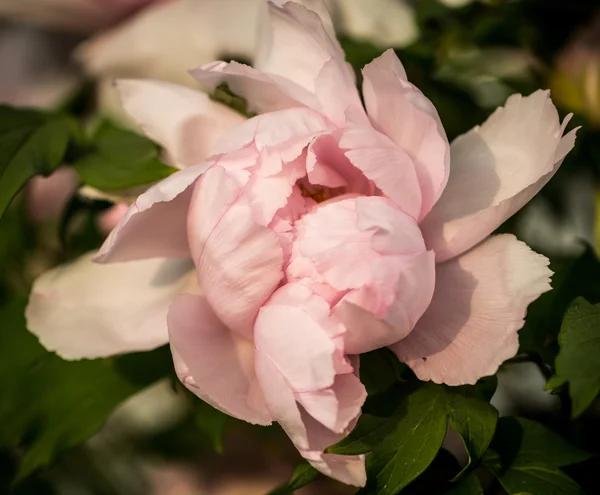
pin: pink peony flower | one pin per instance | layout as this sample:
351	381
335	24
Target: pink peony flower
318	230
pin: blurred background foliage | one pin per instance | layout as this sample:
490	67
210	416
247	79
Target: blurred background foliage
125	426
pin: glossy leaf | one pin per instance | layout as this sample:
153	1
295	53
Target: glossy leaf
401	446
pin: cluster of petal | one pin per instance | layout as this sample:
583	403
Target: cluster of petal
320	229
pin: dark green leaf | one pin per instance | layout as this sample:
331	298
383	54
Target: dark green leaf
303	475
120	159
437	477
526	457
577	362
474	419
468	486
211	422
380	370
404	444
49	405
31	143
544	316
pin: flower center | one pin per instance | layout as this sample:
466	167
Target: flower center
318	193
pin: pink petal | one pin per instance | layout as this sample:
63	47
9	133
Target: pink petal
357	310
387	165
309	436
187	123
295	331
337	406
278	129
401	111
496	169
88	310
214	362
155	225
296	45
239	262
264	93
479	304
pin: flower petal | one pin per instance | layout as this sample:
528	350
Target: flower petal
496	169
264	93
414	290
88	310
214	362
479	304
187	123
239	262
402	112
296	45
309	436
387	165
155	225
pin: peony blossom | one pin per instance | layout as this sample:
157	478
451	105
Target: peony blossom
74	15
294	241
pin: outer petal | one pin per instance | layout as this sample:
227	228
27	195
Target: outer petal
87	310
310	437
479	303
214	362
185	122
155	225
264	93
299	44
239	262
400	110
496	169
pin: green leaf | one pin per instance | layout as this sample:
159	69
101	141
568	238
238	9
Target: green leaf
380	370
49	405
120	159
403	445
474	419
577	362
212	422
544	316
31	143
526	457
468	486
303	475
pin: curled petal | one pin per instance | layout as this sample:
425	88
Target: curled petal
402	112
155	225
214	362
386	164
88	310
298	44
496	169
264	93
310	437
479	304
